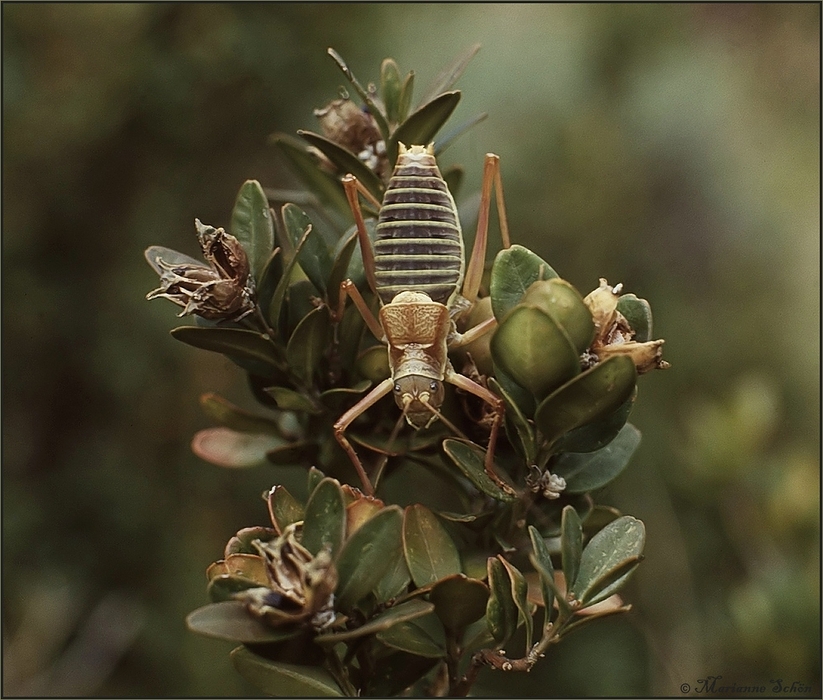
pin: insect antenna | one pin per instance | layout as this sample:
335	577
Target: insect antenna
451	426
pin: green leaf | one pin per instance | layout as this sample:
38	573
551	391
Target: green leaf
313	255
430	552
230	620
396	673
395	615
252	225
223	588
598	433
346	162
235	342
374	110
571	544
404	104
588	471
521	397
227	414
589	396
501	611
291	400
523	429
269	278
229	448
534	350
315	477
339	270
515	269
297	452
639	315
284	680
325	521
327	188
453	175
450	136
394	583
608	560
368	555
520	592
450	73
284	509
459	601
542	562
421	127
469	459
410	637
391	88
563	303
309	344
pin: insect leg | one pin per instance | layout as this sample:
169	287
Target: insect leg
345	420
349	289
350	184
496	403
474	270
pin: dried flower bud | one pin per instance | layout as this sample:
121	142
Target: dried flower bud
614	335
223	289
301	585
546	483
343	122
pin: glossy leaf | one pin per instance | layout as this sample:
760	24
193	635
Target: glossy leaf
421	126
571	543
284	680
598	433
469	459
315	477
252	225
284	509
391	88
248	566
588	471
522	398
522	427
563	303
429	550
534	350
325	518
223	588
477	636
230	416
234	342
272	272
373	364
515	269
297	452
639	315
339	270
394	583
396	673
406	93
609	558
309	344
368	555
374	110
542	562
410	637
520	591
232	621
501	611
346	162
459	601
359	511
229	448
591	395
450	73
325	186
313	255
395	615
450	136
291	400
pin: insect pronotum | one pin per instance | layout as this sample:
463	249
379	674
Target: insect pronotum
418	271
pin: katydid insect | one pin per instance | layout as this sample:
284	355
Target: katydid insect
417	271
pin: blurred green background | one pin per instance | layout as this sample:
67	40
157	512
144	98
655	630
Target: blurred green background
674	148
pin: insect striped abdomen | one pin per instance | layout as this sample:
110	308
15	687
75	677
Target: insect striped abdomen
418	244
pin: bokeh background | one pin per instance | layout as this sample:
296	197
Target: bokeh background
674	148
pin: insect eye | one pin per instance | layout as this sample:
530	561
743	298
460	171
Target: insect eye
433	386
397	388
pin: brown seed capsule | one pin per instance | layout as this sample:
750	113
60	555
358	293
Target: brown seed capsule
222	289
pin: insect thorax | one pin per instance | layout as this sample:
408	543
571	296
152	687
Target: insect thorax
418	242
